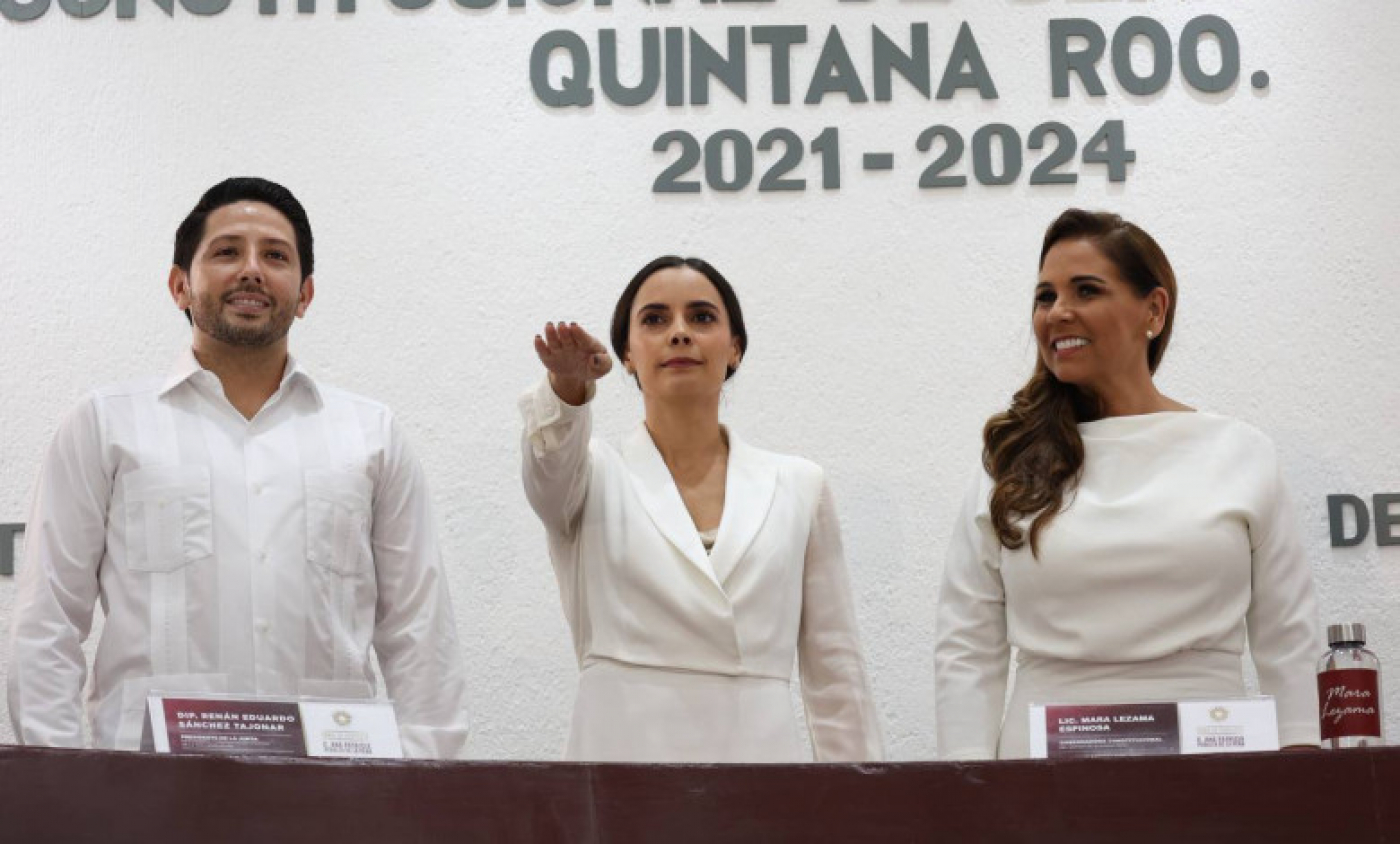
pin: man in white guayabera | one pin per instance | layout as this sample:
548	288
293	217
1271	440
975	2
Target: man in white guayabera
247	528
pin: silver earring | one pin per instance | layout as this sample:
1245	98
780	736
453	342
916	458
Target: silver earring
1150	335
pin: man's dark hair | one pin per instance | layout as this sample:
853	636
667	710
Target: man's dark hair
244	189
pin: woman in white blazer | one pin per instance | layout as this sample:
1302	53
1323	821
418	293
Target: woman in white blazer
694	569
1121	542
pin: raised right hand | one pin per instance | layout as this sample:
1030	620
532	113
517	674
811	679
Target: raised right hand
573	357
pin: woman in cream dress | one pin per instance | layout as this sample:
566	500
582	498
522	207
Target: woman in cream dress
1123	543
694	568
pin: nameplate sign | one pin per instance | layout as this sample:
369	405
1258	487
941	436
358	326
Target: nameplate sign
1081	731
257	726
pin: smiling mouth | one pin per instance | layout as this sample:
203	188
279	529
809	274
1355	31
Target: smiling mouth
248	304
1069	344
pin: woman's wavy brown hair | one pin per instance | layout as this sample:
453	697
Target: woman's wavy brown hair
1032	450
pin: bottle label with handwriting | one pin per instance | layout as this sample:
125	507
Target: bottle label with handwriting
1349	702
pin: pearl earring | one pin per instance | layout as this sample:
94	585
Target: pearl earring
1150	335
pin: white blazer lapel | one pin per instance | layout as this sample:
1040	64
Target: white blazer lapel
657	490
748	494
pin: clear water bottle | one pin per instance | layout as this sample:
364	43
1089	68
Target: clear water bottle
1349	690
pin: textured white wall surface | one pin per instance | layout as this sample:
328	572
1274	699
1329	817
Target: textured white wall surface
455	214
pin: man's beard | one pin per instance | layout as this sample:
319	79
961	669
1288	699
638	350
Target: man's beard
208	315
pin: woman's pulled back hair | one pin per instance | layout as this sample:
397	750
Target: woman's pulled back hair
1032	450
622	312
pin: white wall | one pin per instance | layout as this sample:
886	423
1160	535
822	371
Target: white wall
454	214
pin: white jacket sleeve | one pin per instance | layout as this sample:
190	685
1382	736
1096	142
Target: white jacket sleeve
556	455
841	714
971	655
1284	638
65	542
415	635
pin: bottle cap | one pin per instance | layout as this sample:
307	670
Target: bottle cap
1346	633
